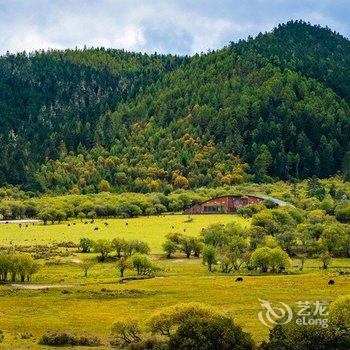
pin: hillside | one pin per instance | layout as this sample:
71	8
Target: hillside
84	121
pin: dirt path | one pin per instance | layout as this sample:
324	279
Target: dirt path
40	286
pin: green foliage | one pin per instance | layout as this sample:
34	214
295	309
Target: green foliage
210	256
86	265
124	264
103	247
143	265
85	245
17	266
66	339
216	333
266	259
339	312
166	320
342	212
296	337
276	106
169	248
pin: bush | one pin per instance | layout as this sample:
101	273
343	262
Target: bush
169	248
210	334
166	320
297	337
151	343
85	245
342	212
265	259
67	339
143	264
104	247
339	312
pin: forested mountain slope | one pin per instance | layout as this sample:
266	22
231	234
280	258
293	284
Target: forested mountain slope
111	120
52	98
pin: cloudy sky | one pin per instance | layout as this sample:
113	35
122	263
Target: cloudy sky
165	26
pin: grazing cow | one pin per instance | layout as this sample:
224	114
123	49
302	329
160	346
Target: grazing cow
26	225
96	228
239	279
184	230
85	222
33	223
172	227
68	224
92	221
106	223
73	223
126	224
331	282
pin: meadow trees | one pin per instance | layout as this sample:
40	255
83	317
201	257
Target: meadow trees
15	266
265	259
179	242
85	245
210	256
169	247
183	326
143	264
210	333
123	264
86	265
103	247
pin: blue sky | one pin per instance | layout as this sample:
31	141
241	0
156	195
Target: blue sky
165	26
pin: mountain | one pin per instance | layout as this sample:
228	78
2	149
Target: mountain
274	106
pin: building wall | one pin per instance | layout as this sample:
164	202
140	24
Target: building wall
222	205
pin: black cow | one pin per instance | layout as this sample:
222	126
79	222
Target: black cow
96	228
331	282
239	279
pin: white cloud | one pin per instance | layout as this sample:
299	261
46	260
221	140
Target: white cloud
177	26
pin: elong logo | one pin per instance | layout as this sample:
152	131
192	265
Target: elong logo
308	313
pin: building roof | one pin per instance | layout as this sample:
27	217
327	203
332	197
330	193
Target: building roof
272	199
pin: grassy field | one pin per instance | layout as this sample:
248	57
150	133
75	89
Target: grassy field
92	304
149	229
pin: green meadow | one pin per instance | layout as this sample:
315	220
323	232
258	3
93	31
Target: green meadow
151	229
60	298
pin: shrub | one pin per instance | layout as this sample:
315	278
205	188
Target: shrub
125	333
169	248
151	343
209	256
143	264
104	247
166	320
85	245
67	339
342	212
265	259
339	312
298	337
208	334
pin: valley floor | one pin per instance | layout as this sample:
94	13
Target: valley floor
60	298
